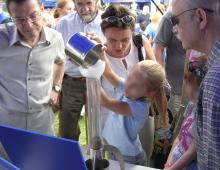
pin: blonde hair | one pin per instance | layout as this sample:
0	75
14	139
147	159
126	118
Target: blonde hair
48	18
156	78
155	18
60	5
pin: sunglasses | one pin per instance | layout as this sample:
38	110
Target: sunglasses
198	71
128	19
175	19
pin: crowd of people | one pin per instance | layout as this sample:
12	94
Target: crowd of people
171	62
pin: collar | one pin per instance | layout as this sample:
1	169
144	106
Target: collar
44	37
215	54
15	37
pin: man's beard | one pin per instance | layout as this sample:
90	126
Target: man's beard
88	18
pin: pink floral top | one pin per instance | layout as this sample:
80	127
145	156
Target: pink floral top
186	132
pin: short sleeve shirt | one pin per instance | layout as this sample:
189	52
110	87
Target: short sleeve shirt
26	74
122	131
175	54
186	135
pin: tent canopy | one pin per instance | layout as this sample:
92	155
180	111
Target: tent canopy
49	3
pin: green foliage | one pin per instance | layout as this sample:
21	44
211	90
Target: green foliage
82	139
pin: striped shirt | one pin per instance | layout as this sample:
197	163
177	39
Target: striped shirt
208	115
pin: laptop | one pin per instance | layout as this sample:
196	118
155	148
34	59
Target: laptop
34	151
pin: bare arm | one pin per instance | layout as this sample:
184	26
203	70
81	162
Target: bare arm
109	73
186	159
158	51
148	50
116	106
57	80
58	73
170	159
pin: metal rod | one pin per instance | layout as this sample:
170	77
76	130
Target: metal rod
157	7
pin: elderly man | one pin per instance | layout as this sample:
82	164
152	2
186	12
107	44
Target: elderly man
197	23
87	18
28	83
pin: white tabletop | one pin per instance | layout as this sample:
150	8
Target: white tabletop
114	165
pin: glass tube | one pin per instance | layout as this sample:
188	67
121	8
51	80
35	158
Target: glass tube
93	109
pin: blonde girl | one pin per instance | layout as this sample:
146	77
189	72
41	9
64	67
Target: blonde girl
144	86
183	152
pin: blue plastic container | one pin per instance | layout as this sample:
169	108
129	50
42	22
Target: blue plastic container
83	50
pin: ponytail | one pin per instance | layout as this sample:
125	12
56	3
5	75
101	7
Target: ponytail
160	104
156	82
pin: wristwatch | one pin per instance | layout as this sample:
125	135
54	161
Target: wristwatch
56	88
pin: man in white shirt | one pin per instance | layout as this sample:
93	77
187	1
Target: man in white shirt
87	18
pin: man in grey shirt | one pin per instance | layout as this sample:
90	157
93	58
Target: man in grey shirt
175	59
28	51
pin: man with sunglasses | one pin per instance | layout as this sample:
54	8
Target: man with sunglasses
86	18
29	84
197	23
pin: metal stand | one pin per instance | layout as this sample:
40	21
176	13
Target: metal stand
96	148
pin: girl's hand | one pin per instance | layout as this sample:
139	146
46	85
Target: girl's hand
168	163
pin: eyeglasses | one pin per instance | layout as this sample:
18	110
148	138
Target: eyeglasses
175	19
198	71
125	20
35	16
